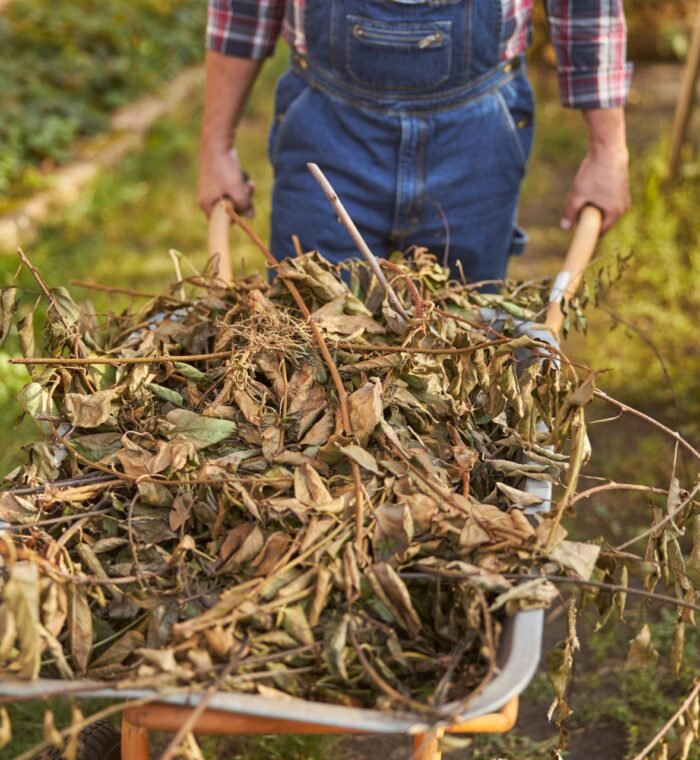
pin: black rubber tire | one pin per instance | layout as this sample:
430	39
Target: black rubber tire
100	740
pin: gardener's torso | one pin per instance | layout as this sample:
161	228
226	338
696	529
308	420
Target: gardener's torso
513	34
420	123
409	54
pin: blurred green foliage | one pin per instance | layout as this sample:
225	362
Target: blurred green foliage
65	66
652	352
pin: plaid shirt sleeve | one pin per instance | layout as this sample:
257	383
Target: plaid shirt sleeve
244	28
590	37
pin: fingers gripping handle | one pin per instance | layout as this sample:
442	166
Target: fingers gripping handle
577	259
219	241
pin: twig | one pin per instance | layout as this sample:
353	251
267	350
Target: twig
83	480
664	521
44	289
127	292
631	410
175	258
613	486
332	368
188	725
413	290
357	238
432	351
65	518
297	246
429	573
565	580
575	464
669	723
83	362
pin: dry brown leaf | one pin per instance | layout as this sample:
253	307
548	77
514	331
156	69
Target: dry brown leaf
79	627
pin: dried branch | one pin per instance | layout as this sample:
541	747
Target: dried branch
412	289
669	723
664	521
677	437
357	238
564	580
129	292
613	486
60	361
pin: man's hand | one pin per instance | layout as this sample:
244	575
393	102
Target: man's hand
603	177
220	175
228	83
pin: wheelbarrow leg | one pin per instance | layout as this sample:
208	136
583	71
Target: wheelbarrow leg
134	740
427	746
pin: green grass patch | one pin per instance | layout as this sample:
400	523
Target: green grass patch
66	66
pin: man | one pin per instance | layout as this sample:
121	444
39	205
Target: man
419	112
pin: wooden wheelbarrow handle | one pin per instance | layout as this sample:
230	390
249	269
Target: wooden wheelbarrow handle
578	257
219	242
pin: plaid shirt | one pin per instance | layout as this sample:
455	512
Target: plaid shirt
590	38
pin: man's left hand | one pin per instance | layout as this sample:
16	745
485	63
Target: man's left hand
603	177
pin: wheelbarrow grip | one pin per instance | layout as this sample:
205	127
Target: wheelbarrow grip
219	241
578	257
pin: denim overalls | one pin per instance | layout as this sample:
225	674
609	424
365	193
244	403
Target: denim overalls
423	132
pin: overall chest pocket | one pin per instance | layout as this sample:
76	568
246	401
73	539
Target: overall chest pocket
407	57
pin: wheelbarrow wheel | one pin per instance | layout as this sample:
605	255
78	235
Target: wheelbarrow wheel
100	740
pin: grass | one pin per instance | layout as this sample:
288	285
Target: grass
66	66
120	235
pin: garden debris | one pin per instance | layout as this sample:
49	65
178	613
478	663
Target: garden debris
335	496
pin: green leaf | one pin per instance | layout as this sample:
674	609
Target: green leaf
36	401
96	446
167	394
202	431
188	371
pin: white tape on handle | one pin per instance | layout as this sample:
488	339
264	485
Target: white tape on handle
561	283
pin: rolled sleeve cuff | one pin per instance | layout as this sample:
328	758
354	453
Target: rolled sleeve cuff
587	89
229	44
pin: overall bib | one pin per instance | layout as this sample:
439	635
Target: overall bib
423	132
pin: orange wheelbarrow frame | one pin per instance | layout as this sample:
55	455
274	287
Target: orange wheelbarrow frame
139	721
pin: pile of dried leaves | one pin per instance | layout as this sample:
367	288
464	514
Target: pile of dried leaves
316	487
180	510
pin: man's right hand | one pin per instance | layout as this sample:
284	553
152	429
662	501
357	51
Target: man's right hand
220	175
228	83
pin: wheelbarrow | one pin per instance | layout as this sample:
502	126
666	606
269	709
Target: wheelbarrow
492	710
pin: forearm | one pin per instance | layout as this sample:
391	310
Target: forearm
229	81
602	178
607	135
